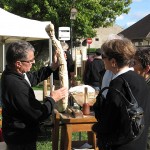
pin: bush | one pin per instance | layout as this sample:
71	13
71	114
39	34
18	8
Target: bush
78	78
37	65
91	50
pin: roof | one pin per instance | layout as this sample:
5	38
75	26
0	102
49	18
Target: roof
139	30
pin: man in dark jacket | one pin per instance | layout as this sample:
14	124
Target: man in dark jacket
22	113
96	69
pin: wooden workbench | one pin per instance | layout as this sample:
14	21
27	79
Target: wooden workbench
70	125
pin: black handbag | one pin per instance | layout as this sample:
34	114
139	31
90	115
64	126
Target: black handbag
133	126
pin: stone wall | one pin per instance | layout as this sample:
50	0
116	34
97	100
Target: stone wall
102	35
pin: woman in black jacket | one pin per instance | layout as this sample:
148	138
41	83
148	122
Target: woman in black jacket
117	55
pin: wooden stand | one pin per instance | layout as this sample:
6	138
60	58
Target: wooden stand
70	125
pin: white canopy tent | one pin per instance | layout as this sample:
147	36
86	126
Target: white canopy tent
13	27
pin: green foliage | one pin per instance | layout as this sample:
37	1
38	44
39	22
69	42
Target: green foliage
91	13
37	65
78	78
91	50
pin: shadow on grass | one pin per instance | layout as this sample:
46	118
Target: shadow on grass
44	141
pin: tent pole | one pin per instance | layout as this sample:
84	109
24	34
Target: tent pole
50	57
3	56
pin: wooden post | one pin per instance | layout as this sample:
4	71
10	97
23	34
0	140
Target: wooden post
82	67
76	62
44	89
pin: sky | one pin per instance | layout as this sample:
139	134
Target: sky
138	10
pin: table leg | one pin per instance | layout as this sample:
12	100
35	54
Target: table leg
92	139
95	141
66	137
55	132
63	137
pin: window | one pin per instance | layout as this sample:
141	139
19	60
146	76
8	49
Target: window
96	39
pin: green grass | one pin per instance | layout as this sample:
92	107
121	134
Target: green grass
45	143
44	139
38	87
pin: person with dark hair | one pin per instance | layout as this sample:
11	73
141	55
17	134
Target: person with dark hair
110	113
96	69
21	111
141	65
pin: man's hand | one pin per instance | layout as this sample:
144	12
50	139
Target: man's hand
59	94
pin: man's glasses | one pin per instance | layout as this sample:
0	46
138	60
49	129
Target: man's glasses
28	61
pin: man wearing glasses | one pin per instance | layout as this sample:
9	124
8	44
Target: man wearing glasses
22	112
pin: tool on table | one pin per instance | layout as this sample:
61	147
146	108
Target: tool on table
86	106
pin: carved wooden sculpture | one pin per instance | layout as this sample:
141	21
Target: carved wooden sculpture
63	72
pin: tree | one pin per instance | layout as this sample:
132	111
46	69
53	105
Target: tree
91	13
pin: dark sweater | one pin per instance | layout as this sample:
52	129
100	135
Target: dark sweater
22	113
110	120
94	73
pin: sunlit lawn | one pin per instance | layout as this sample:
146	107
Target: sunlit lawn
45	143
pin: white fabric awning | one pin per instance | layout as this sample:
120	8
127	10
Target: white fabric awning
13	27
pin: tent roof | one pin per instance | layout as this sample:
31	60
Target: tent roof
13	27
139	30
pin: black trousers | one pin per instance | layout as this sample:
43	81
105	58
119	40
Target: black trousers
30	146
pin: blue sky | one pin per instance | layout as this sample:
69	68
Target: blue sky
139	9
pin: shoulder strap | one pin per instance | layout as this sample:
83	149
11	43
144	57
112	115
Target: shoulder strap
148	81
127	102
133	99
